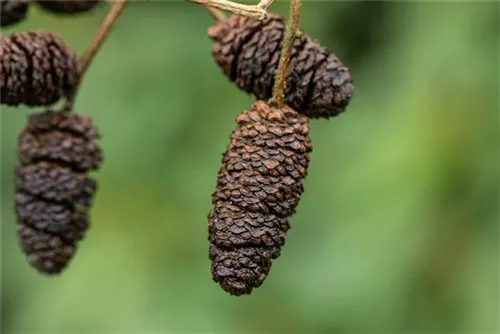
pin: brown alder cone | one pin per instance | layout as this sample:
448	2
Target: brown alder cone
248	52
68	6
13	11
258	189
53	192
36	68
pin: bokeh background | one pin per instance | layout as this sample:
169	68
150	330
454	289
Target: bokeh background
397	231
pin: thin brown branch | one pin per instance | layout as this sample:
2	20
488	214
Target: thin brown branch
90	52
289	39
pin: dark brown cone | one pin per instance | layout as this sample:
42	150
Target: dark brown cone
248	51
36	68
13	11
53	193
258	189
68	6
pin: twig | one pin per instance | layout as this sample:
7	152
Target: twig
217	14
90	52
264	4
258	11
278	97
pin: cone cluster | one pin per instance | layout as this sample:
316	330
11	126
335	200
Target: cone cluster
248	52
261	179
53	193
37	68
13	11
56	149
258	189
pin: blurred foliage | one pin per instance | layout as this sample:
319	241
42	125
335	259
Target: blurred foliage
397	230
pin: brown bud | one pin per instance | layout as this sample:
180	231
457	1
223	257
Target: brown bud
13	11
36	68
248	51
53	192
258	189
68	6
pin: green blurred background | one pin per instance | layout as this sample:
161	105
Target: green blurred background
397	231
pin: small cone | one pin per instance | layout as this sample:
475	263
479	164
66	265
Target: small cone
68	6
53	192
248	52
13	11
36	68
258	188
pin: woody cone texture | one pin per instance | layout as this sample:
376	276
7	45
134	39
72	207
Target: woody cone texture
53	193
36	68
12	11
68	6
248	51
258	189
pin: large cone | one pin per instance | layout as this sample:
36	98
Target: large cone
248	51
37	68
258	189
53	192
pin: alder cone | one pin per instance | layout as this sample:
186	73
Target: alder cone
68	6
53	191
258	188
248	51
37	68
13	11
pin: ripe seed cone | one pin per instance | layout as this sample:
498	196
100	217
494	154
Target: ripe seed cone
12	11
68	6
248	51
36	68
53	192
258	188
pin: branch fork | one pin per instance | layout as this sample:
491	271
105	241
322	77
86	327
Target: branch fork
258	12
